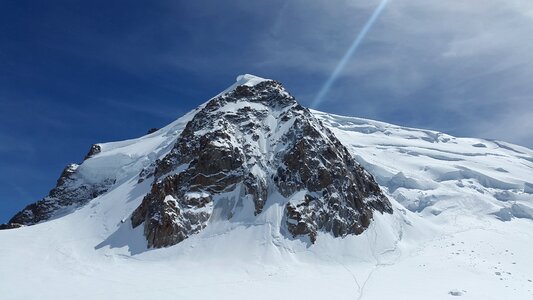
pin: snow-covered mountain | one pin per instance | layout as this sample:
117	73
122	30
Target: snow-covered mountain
252	195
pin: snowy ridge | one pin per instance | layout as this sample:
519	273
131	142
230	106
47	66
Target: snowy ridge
431	172
128	158
462	226
125	159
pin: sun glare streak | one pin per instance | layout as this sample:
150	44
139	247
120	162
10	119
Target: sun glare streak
342	63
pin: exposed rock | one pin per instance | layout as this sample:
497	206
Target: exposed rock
95	149
72	190
152	130
253	141
10	226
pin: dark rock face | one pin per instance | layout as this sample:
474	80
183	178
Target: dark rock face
95	149
166	220
71	191
10	226
341	195
152	130
250	143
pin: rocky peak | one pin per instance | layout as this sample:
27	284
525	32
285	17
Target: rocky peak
245	145
251	144
72	190
95	149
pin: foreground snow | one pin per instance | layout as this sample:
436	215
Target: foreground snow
478	258
462	227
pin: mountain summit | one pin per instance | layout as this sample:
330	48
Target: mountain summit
248	147
242	148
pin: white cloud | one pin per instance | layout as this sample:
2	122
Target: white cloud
463	66
447	65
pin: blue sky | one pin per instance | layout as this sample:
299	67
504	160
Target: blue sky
74	73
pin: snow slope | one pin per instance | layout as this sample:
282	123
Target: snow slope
462	227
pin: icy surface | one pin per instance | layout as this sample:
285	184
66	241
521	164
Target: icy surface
462	228
430	172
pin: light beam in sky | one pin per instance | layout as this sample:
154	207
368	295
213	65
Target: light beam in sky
342	63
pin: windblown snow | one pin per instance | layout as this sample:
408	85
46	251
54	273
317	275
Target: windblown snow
462	227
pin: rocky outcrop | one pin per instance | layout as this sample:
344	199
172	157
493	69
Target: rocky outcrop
341	195
251	142
95	149
152	130
10	226
72	190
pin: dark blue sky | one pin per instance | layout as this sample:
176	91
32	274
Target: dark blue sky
74	73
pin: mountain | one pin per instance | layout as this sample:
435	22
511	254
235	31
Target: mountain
242	147
253	195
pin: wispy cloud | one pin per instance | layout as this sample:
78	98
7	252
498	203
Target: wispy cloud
464	67
150	108
456	66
